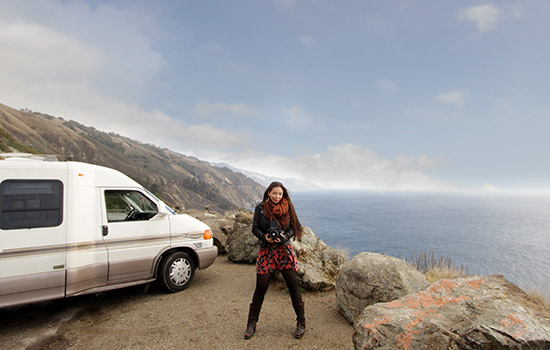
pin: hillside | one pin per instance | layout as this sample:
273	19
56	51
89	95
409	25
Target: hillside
179	180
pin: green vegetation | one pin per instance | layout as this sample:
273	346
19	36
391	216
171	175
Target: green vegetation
10	142
47	116
159	151
105	139
92	133
207	191
435	269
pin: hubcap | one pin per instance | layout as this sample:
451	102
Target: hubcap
180	271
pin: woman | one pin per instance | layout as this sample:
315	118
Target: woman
274	223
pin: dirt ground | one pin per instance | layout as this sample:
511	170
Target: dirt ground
210	314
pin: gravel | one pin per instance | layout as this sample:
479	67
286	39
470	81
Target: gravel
210	314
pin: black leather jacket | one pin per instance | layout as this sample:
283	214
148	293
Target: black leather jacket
260	226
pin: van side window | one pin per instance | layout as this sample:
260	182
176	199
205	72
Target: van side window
31	203
128	206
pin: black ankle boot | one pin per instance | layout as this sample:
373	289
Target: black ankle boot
300	320
253	314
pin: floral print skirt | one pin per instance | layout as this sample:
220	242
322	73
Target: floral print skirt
276	257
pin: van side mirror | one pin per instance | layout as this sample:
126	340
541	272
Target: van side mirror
162	210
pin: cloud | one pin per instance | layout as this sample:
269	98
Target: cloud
485	17
79	101
455	97
117	40
348	166
490	188
32	51
298	119
386	85
205	108
308	40
76	76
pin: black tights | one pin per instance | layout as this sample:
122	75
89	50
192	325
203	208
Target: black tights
262	284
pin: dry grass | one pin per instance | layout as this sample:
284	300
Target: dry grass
539	297
439	273
435	268
344	251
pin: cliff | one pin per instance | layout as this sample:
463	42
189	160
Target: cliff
181	181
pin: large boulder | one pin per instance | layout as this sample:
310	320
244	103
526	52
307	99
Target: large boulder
242	246
319	263
221	229
465	313
371	278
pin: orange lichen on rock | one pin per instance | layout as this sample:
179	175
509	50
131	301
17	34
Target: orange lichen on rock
424	300
428	304
476	284
446	285
513	320
405	339
372	327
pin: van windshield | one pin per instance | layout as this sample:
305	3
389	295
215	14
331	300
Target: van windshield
166	205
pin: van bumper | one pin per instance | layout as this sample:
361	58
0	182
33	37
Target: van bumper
207	256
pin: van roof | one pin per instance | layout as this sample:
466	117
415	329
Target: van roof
28	156
78	173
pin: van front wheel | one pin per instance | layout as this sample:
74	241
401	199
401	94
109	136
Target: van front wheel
176	271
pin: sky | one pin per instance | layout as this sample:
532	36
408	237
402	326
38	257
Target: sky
427	95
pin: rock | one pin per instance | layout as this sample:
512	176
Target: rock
221	229
319	263
244	216
465	313
370	278
242	245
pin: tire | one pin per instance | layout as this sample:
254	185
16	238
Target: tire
176	271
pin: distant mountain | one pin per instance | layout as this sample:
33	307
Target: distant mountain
179	180
291	184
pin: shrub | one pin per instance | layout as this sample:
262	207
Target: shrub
435	269
539	297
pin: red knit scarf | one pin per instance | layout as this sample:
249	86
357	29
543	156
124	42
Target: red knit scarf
279	212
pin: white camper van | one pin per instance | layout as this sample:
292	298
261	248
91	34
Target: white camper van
69	228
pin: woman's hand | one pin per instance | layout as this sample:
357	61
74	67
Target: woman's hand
270	240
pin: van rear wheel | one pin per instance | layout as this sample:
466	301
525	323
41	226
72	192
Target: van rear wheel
176	271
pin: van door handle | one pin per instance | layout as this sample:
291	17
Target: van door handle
105	230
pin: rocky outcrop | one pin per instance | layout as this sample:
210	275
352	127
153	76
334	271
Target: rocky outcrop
242	246
319	263
466	313
223	226
370	278
221	229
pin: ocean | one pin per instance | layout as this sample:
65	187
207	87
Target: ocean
487	234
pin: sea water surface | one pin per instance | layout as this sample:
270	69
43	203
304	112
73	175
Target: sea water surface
487	234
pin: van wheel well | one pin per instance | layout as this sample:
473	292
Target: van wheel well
189	251
176	270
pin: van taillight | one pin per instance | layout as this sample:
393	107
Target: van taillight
207	234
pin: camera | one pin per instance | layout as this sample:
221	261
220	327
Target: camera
274	232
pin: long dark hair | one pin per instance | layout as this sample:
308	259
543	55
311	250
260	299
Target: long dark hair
293	217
